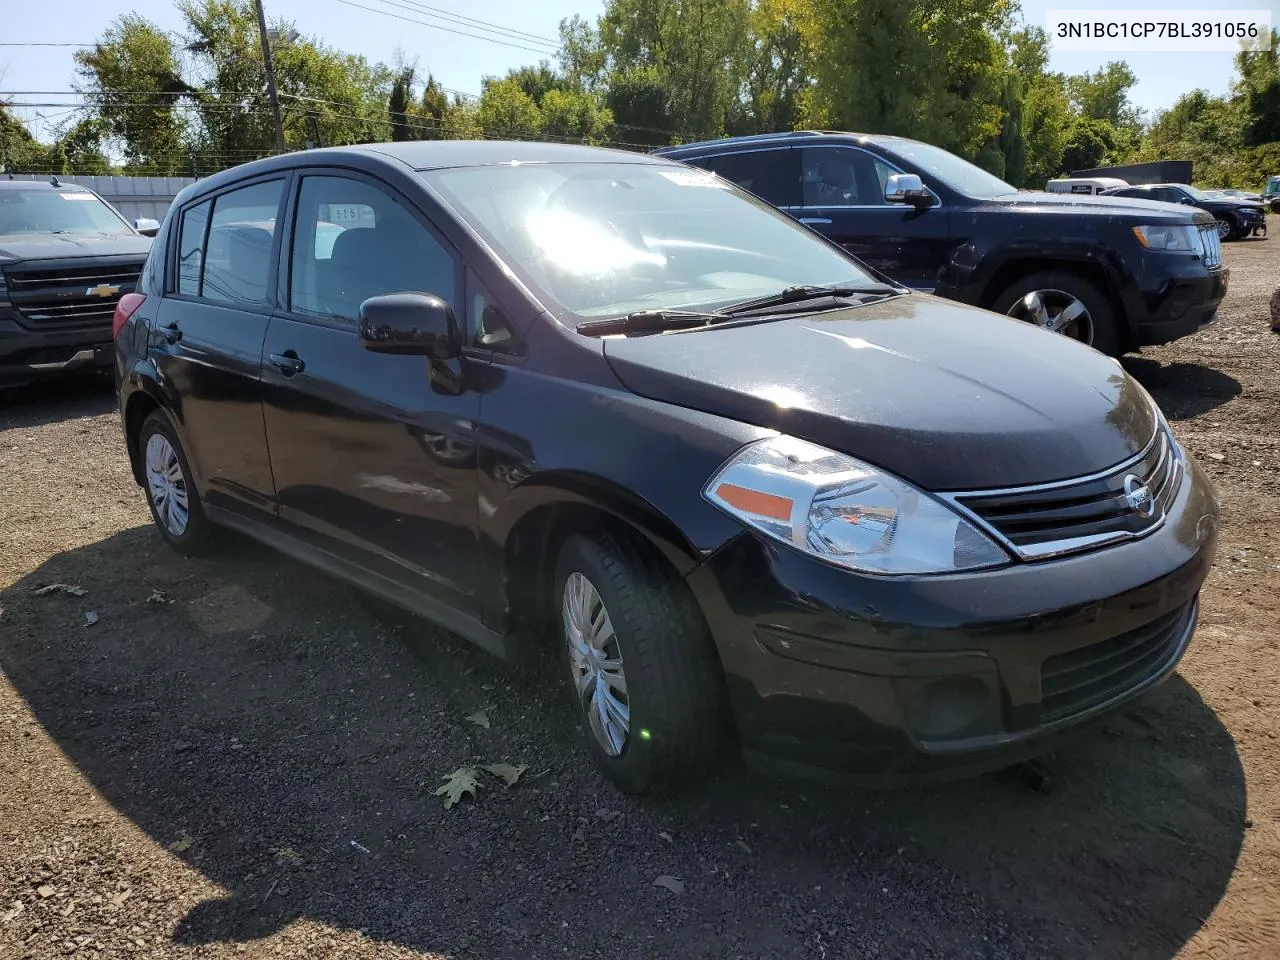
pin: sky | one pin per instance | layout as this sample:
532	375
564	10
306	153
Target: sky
461	62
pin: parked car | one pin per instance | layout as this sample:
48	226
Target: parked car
605	405
1114	275
66	258
1236	219
1234	194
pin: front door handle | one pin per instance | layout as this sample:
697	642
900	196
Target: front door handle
171	333
826	220
287	363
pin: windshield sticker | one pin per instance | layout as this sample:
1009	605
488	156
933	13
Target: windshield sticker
77	196
694	178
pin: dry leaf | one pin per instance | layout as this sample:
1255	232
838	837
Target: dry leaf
72	589
674	884
181	845
479	719
505	772
463	780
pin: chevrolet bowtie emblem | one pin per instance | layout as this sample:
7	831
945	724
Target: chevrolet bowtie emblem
103	290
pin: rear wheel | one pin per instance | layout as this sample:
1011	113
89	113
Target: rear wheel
642	670
175	504
1065	303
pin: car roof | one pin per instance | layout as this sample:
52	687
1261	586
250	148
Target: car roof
789	136
7	184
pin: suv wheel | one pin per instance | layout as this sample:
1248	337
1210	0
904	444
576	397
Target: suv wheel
1064	303
1228	228
175	505
642	671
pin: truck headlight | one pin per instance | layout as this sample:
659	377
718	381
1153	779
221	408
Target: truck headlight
839	509
1178	239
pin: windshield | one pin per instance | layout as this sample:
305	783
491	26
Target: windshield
1273	184
1195	194
960	175
56	211
607	239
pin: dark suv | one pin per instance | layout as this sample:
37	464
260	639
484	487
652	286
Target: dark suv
66	258
1114	274
607	405
1236	218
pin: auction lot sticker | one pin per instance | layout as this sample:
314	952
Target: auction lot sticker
1160	31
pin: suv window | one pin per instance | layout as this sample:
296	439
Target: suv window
195	223
353	241
770	174
237	254
842	176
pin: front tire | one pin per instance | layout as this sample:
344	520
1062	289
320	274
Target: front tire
1065	303
171	494
1228	228
642	668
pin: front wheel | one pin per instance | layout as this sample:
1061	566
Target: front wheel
1228	228
642	670
1065	303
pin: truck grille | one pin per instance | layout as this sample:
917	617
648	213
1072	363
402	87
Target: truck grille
1210	245
1053	519
1076	680
72	296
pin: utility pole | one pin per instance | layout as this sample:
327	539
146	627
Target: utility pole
271	76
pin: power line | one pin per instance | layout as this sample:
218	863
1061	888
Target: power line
435	26
35	43
486	25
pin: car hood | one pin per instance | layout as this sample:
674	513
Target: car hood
56	246
947	396
1081	204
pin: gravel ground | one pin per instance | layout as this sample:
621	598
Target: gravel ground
238	758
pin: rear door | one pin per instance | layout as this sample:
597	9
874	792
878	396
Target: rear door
771	173
842	197
207	335
372	461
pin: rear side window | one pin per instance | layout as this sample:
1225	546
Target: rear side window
353	241
238	252
772	175
195	222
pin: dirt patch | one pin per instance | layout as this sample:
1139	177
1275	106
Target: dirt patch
238	758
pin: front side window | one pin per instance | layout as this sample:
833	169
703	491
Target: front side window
605	239
840	176
770	174
354	241
238	252
69	210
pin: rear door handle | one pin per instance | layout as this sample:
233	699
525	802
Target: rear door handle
171	333
287	363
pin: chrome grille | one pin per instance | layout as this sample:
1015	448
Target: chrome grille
1210	245
69	296
1049	520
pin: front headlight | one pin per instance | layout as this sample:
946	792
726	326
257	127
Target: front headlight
1178	239
846	512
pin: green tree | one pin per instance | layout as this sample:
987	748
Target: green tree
1089	143
1045	110
777	71
575	114
637	98
1104	96
398	106
1259	90
505	111
20	152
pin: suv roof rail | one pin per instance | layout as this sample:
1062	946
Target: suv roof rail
749	138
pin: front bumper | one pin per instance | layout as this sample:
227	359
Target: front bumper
1175	299
889	680
27	355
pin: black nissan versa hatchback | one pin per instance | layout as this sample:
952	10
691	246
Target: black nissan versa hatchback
550	394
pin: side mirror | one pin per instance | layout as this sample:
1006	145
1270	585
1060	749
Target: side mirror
419	324
146	226
906	188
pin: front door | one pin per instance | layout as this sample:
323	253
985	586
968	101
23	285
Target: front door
842	197
370	459
206	340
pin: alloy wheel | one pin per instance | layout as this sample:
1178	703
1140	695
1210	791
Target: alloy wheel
595	662
167	485
1224	229
1056	311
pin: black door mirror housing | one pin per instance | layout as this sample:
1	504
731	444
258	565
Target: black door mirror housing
416	324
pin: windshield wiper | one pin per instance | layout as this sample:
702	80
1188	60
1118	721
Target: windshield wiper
808	292
647	321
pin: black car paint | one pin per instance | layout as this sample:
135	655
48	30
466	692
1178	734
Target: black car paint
560	430
1244	215
971	249
30	350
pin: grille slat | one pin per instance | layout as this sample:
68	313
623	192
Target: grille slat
1076	516
1076	680
1211	245
58	296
